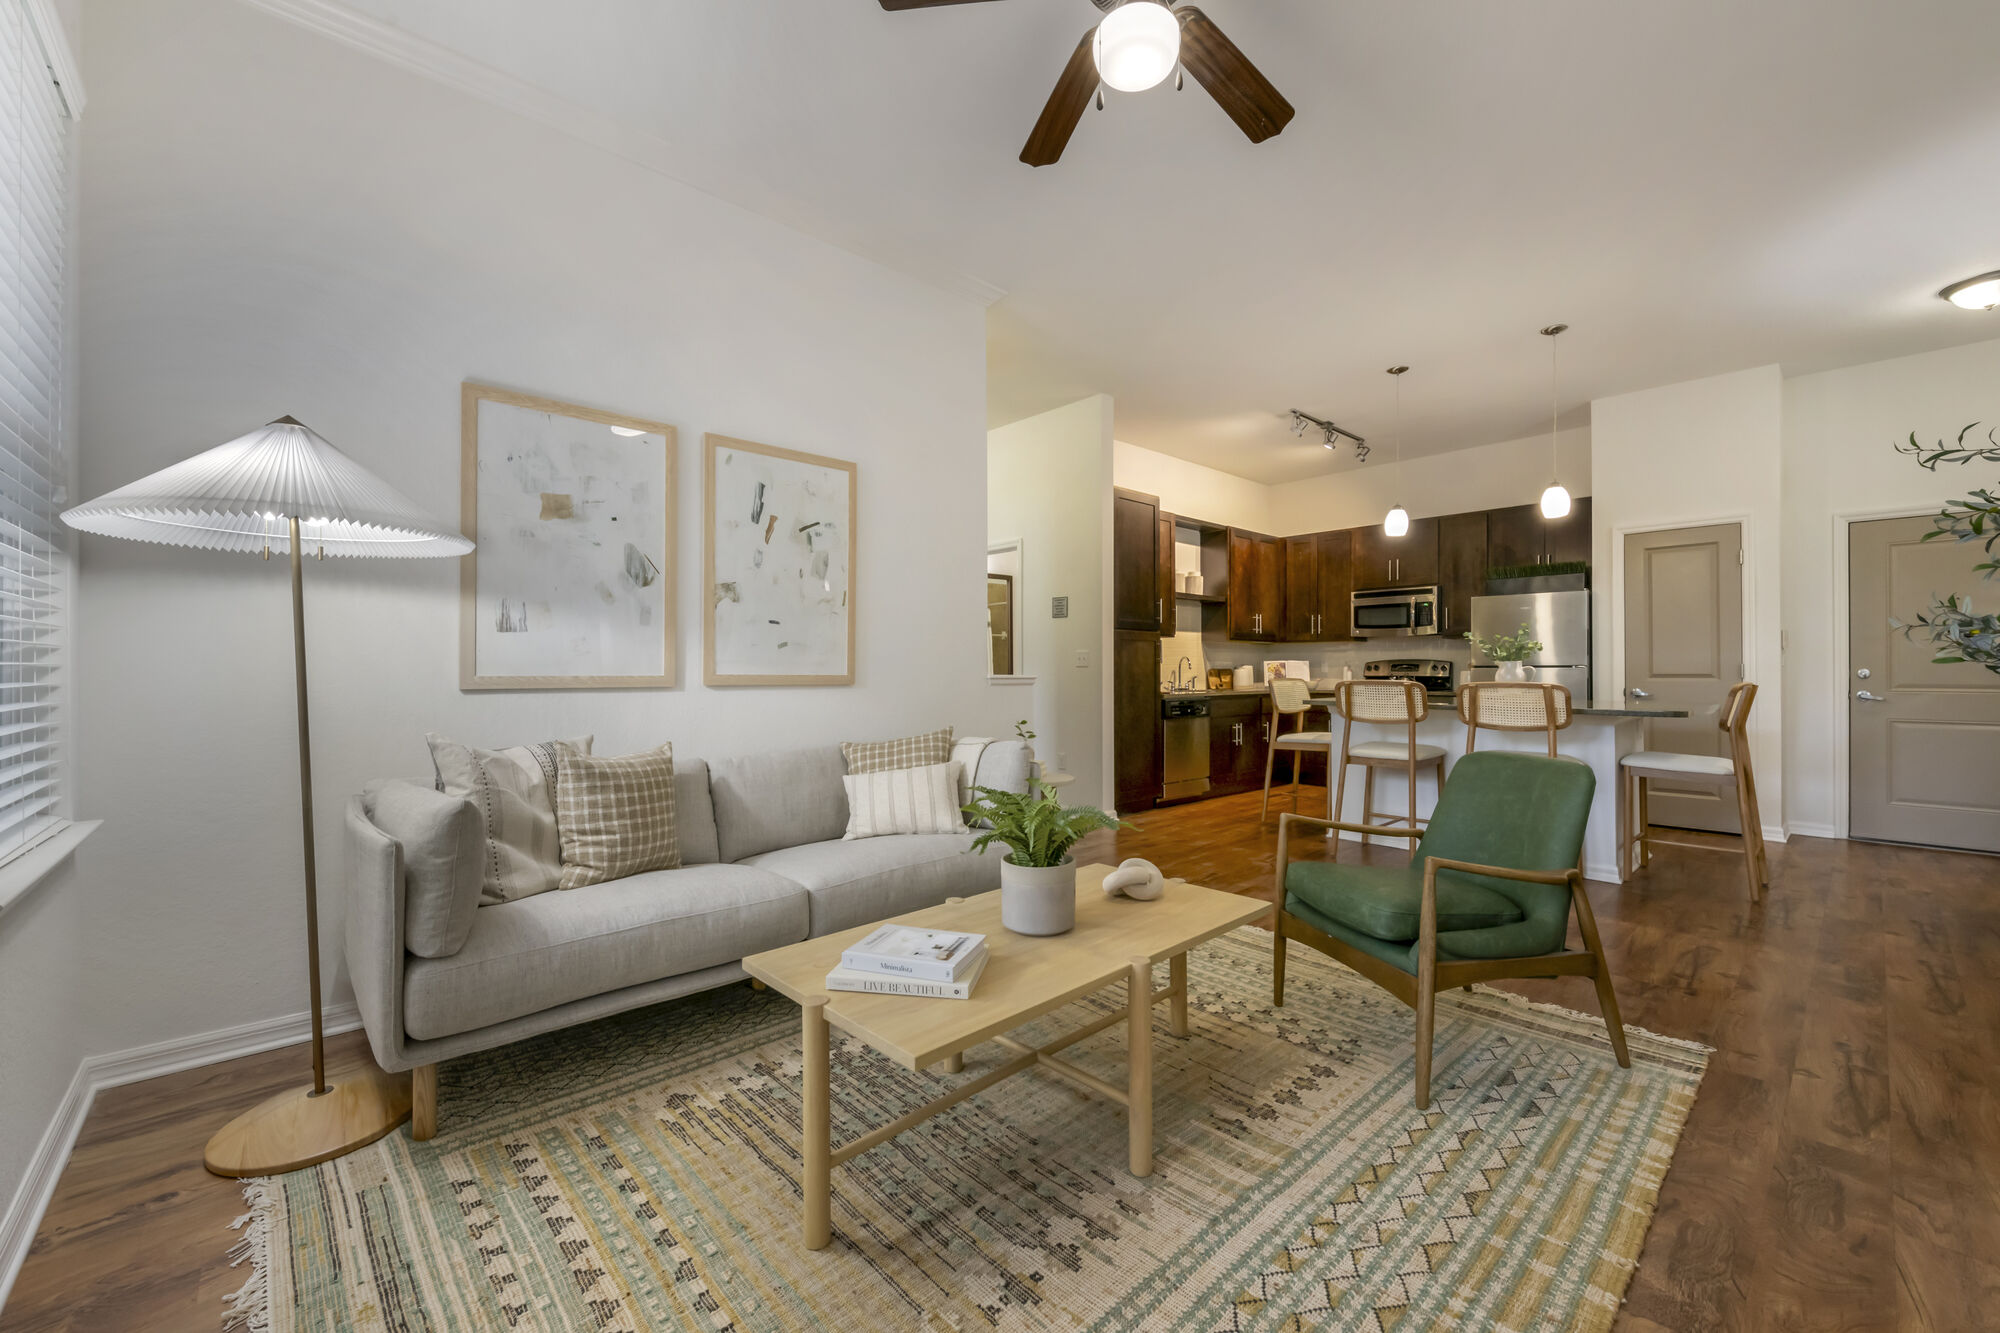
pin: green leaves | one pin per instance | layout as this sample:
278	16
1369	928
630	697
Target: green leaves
1509	647
1949	623
1035	827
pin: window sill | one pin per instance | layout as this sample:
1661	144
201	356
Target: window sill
1010	680
37	863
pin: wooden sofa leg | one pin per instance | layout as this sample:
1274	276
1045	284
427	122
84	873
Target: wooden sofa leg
423	1102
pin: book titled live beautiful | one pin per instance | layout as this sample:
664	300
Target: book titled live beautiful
881	983
915	953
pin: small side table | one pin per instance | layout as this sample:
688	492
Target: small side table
1057	780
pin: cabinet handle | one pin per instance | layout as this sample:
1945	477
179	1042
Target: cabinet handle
1160	609
1267	728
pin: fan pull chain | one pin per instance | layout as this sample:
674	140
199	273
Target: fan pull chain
1100	97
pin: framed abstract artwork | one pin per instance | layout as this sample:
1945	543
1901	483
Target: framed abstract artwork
777	566
570	584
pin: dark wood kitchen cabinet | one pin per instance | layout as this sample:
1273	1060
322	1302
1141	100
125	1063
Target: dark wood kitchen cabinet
1519	536
1169	616
1461	570
1136	598
1318	588
1135	720
1237	743
1408	561
1256	586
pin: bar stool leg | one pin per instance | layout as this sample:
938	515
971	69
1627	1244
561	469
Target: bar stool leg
1367	800
1339	793
1645	827
1270	758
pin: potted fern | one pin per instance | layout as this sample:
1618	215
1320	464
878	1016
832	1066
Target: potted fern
1038	875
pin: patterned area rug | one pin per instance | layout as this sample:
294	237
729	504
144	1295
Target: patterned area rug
642	1173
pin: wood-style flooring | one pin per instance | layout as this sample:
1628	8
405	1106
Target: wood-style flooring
1840	1171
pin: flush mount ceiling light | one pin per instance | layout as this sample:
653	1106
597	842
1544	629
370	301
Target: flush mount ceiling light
1555	500
1980	293
1137	46
1397	521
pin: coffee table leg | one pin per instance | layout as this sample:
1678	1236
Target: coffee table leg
817	1147
1177	1007
1139	1083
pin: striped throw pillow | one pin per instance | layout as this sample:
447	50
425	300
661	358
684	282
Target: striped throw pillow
933	747
615	816
514	791
903	800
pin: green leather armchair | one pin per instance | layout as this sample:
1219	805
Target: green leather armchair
1487	894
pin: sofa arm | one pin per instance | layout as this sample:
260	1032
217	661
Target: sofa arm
1003	765
374	933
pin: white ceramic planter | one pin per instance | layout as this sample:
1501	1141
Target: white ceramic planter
1510	671
1037	900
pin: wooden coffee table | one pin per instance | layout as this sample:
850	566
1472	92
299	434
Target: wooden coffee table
1115	939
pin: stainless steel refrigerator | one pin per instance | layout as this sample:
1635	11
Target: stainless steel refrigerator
1560	621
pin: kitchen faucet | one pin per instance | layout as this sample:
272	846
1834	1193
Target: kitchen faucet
1187	682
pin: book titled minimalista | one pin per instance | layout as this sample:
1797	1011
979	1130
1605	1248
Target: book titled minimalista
881	983
911	951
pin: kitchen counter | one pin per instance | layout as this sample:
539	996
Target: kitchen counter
1441	703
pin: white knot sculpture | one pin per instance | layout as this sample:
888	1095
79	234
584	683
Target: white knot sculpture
1135	878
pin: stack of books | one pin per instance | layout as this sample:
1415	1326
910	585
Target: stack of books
909	960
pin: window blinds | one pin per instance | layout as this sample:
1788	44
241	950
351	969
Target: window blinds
34	133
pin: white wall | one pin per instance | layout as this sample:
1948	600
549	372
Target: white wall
1190	489
1048	484
1840	464
1701	452
276	223
1489	476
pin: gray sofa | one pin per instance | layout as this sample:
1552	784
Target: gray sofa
763	865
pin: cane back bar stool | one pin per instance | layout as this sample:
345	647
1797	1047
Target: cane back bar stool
1293	698
1514	706
1731	770
1396	703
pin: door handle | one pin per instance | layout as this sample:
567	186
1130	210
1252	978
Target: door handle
1870	697
1637	693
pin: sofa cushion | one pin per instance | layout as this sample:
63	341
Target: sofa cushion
1387	901
523	957
443	844
782	799
903	800
853	883
932	747
694	813
514	791
615	816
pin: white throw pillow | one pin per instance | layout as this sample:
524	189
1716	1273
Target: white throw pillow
903	800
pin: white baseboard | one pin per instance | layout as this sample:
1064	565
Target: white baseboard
1811	831
1775	833
115	1069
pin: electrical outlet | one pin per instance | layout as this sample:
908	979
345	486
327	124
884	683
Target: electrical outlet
1083	657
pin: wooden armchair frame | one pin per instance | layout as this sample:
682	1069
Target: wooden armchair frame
1420	991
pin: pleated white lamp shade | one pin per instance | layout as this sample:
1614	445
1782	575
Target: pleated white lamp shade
239	496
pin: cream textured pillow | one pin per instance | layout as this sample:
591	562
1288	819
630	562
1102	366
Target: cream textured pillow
933	747
514	791
903	800
616	816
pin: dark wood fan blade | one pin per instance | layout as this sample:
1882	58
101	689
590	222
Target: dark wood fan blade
1066	107
1258	109
893	5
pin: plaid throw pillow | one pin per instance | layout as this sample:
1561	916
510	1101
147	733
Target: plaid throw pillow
933	747
615	816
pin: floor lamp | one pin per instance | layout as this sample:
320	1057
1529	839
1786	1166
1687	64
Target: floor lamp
283	487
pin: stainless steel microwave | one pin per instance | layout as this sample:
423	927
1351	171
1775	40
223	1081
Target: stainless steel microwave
1382	613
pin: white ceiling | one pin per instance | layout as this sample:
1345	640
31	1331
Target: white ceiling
1695	187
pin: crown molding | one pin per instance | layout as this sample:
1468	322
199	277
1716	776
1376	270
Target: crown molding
42	17
682	163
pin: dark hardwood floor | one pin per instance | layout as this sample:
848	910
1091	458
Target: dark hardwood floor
1840	1171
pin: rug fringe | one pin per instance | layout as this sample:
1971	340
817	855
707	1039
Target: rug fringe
1523	1002
249	1307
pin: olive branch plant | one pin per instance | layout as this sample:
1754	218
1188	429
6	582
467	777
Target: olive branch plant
1959	634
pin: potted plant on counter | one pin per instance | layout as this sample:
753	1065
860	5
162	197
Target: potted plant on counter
1038	875
1510	652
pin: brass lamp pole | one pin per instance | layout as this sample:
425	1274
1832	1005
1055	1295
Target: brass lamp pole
228	499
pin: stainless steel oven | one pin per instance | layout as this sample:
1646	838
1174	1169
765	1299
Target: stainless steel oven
1382	613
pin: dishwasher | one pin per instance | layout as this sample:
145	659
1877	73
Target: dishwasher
1185	724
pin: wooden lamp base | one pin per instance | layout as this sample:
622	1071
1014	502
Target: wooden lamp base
296	1129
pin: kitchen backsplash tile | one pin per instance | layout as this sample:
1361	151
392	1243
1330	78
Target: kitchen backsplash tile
1327	659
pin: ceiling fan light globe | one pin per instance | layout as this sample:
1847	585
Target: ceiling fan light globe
1137	46
1980	293
1555	501
1397	522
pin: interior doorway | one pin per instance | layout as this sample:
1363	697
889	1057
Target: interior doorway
1684	649
1923	736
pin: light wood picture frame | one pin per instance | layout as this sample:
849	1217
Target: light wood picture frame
582	525
778	578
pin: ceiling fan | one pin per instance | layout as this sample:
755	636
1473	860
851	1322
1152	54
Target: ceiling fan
1134	47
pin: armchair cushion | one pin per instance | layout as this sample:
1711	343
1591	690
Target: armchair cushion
1386	902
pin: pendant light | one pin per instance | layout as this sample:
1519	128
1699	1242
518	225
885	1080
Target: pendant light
1397	521
1555	500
